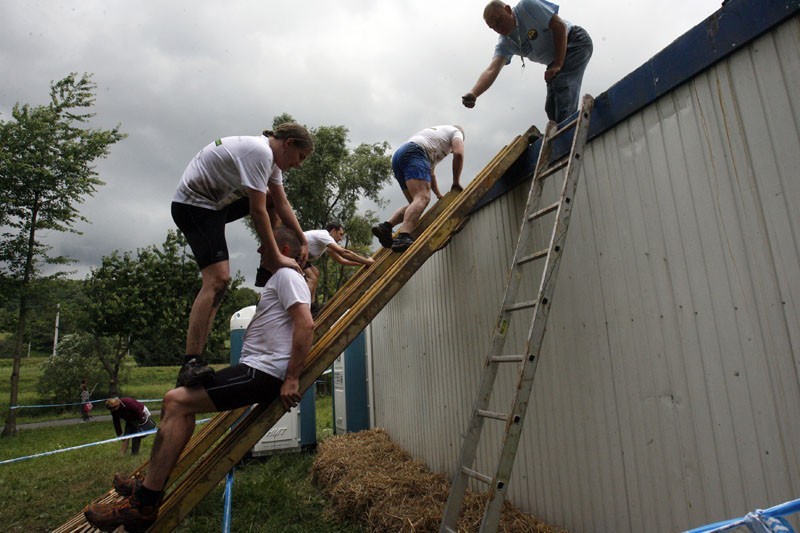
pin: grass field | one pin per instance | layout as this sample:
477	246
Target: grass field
39	494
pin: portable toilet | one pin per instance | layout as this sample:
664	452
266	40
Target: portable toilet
297	429
350	390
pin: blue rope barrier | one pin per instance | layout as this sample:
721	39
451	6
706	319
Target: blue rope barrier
759	521
80	446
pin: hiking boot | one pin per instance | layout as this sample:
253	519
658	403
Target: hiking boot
383	232
195	371
402	242
125	512
126	485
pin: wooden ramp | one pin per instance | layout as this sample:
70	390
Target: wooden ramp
220	445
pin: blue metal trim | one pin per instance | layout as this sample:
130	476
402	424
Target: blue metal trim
733	26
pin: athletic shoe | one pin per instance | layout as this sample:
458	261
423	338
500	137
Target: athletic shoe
126	485
383	232
194	372
402	242
125	512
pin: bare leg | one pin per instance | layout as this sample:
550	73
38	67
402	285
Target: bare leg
312	278
176	428
420	193
215	283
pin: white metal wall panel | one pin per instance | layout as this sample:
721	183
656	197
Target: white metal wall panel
668	394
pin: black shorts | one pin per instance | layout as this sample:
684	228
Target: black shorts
204	229
241	385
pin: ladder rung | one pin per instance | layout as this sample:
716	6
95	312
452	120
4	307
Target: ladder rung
506	358
476	475
492	414
533	257
566	126
541	212
549	171
521	305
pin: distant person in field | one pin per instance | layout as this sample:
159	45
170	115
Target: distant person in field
274	349
86	402
414	167
326	241
137	419
228	179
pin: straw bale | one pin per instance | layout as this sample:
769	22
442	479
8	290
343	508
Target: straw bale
370	480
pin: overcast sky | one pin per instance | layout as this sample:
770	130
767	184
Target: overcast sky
178	74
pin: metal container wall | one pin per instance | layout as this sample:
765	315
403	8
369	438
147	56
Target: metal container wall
668	395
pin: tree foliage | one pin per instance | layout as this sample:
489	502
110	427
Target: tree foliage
141	302
62	373
46	169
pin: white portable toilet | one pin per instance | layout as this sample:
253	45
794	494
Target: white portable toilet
297	429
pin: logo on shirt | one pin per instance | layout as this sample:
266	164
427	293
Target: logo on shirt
533	34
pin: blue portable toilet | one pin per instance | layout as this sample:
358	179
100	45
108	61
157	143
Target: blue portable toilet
297	429
350	391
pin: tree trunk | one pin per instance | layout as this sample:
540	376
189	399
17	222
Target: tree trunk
11	422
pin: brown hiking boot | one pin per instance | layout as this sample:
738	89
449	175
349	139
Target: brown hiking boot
125	512
126	485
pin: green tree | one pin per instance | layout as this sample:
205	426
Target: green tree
46	169
329	185
139	304
62	373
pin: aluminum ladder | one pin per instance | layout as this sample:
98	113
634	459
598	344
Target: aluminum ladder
527	362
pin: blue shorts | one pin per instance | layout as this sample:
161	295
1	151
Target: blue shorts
410	162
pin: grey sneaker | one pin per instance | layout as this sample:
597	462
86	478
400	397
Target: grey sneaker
194	372
402	242
384	234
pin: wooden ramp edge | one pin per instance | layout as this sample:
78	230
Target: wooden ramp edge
217	448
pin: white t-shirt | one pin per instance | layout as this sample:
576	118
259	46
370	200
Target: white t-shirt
223	171
267	344
437	141
318	241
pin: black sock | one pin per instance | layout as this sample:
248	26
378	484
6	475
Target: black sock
386	225
147	497
187	358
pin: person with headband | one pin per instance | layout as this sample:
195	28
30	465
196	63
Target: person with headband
228	179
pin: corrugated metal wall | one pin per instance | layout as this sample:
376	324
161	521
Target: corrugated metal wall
668	394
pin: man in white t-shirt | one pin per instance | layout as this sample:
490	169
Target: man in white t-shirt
275	346
326	241
228	179
414	165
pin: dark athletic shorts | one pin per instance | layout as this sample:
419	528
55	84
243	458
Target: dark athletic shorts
241	385
204	229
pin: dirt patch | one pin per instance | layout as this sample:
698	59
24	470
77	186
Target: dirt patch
370	480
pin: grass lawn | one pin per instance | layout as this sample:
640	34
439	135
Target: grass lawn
39	494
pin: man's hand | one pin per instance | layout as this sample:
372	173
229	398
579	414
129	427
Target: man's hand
290	393
279	262
551	73
370	261
469	100
456	187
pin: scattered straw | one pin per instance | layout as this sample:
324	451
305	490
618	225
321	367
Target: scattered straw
370	480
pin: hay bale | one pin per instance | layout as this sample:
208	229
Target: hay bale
370	480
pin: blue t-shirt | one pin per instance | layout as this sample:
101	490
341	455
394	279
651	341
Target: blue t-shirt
532	37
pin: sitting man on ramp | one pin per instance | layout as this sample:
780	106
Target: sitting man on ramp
274	349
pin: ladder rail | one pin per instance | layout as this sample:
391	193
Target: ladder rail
513	430
471	440
475	427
